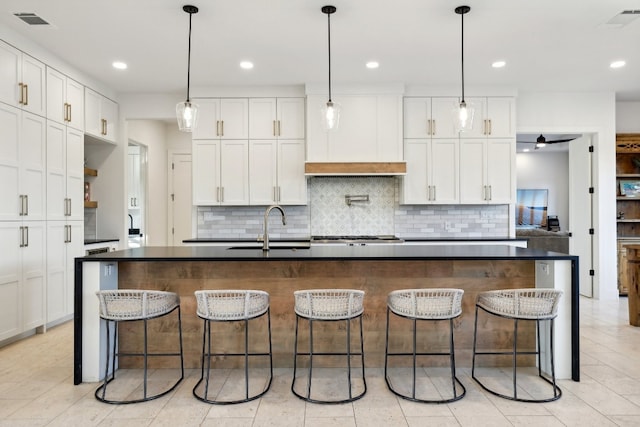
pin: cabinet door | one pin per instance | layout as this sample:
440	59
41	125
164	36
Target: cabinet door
34	77
501	116
472	171
263	118
262	172
75	173
10	135
10	73
207	126
33	158
74	93
500	171
206	172
417	118
443	117
110	117
56	97
92	114
10	278
416	188
74	248
57	236
356	138
290	116
56	170
234	118
234	173
443	165
292	183
33	275
480	125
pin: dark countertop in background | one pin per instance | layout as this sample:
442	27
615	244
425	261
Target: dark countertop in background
92	241
406	239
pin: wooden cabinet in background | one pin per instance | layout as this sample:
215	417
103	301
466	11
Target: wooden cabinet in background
627	200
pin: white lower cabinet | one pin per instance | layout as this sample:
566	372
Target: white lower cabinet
220	172
432	172
65	242
487	171
276	172
22	277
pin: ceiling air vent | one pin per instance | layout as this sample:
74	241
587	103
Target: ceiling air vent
623	18
31	18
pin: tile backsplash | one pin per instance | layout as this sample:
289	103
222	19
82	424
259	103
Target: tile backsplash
327	213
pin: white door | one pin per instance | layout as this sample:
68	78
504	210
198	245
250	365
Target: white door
10	72
10	129
581	209
180	199
292	183
33	159
263	179
262	118
291	118
443	171
34	77
33	275
234	173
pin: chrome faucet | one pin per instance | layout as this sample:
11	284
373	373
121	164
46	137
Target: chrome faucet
265	236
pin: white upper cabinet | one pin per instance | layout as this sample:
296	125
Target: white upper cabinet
487	171
22	80
432	172
220	172
494	117
429	117
222	118
276	172
22	164
65	172
276	118
370	129
65	100
101	116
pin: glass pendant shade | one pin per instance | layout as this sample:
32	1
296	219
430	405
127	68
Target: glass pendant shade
463	116
331	115
187	114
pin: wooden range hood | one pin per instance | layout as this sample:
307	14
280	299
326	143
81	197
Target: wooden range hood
354	168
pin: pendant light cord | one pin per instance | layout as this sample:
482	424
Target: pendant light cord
462	54
329	39
189	59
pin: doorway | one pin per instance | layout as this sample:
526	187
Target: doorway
181	211
566	170
136	194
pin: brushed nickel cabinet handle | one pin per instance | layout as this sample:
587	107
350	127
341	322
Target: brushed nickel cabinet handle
21	100
490	129
69	113
490	192
26	240
279	129
26	102
275	133
26	205
222	129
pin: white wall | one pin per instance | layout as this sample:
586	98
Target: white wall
627	117
152	134
550	171
564	112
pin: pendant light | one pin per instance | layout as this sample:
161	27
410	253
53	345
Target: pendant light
464	112
187	112
331	111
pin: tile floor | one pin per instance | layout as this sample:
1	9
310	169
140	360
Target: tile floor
36	389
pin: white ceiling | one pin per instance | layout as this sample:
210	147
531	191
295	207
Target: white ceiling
549	45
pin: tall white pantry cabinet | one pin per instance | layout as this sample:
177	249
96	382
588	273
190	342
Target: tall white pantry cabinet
42	118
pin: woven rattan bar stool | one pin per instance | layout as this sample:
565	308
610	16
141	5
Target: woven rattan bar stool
520	304
127	305
232	306
329	305
424	305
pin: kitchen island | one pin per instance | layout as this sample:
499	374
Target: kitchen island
376	269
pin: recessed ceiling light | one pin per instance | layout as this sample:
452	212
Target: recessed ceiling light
526	150
119	65
246	65
498	64
372	64
617	64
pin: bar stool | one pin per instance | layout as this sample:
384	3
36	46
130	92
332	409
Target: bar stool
231	306
127	305
425	305
520	304
329	305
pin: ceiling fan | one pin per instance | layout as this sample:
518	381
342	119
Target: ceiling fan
541	141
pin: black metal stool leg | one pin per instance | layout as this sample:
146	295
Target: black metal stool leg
310	358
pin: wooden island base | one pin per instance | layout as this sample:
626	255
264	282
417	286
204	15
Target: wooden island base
280	278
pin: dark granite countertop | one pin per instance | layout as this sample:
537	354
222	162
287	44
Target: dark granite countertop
93	241
244	240
332	252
